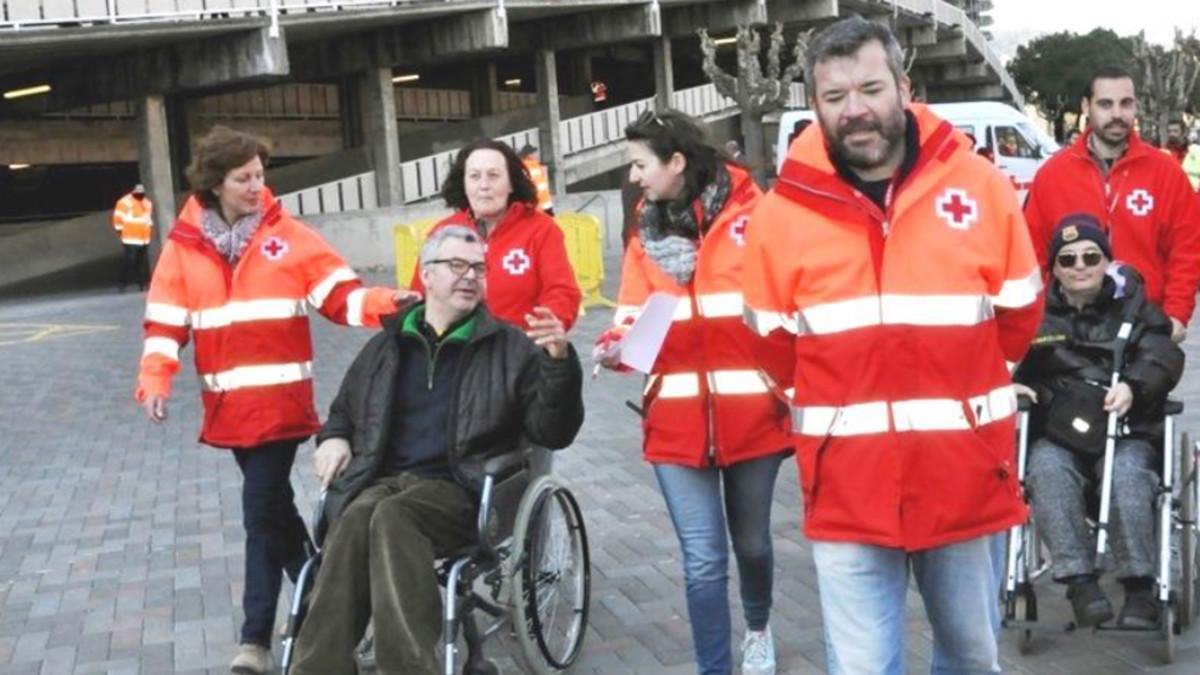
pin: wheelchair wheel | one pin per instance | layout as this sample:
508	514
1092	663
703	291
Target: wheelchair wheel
551	580
1187	532
298	609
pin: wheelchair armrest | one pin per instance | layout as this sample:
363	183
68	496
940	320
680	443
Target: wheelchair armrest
1024	403
502	464
1172	407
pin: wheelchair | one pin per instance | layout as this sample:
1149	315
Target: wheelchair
528	570
1176	534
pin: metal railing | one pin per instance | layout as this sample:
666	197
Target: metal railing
19	14
422	178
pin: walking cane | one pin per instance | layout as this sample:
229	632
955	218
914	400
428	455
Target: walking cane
1110	439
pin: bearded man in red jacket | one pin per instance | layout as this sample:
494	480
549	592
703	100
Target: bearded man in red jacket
1140	195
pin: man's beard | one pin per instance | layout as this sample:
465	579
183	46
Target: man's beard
1104	134
891	131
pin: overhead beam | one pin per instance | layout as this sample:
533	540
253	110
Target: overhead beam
714	16
957	73
432	41
801	11
246	57
587	29
953	49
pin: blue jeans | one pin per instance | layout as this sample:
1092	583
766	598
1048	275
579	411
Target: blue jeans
700	513
275	533
862	603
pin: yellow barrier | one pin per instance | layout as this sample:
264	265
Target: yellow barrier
408	238
584	238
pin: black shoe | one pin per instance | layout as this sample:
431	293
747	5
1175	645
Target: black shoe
1141	610
1090	604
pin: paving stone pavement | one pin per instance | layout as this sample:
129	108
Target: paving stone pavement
121	541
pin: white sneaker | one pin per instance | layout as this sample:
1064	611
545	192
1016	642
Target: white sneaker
758	653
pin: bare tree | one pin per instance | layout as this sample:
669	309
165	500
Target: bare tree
1168	79
756	93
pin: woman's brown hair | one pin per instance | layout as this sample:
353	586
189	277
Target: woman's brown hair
220	151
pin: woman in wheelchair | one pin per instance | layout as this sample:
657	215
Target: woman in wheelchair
443	388
1066	374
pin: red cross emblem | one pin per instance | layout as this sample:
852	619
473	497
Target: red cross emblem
957	209
738	230
1139	202
274	248
516	262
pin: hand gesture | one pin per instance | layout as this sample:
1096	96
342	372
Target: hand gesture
156	408
330	459
1119	399
547	331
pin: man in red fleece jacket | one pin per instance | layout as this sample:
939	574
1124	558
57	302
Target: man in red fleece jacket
1140	194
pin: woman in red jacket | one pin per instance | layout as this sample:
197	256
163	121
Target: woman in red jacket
237	275
492	193
716	426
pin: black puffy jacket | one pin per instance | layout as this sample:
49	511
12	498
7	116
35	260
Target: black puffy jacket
1078	344
506	388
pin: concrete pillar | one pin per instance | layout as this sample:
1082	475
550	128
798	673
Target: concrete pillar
581	74
378	96
154	164
664	76
485	85
549	137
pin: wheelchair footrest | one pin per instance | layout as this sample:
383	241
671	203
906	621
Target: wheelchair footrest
1039	626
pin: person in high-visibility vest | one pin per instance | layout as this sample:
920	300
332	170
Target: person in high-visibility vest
132	220
239	274
540	177
716	425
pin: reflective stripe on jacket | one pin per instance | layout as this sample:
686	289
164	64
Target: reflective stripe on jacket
904	324
541	180
132	219
253	350
715	394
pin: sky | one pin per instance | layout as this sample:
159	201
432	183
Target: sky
1157	17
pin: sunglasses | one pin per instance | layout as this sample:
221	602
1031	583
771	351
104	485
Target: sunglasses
649	116
1090	259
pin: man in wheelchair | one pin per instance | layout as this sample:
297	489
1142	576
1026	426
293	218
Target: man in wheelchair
1066	375
441	389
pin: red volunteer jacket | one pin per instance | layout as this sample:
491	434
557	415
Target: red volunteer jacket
253	349
527	266
902	321
716	394
1147	204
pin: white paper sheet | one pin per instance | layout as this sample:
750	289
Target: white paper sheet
640	346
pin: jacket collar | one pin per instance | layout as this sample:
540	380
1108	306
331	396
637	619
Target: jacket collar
809	167
1134	150
187	224
482	323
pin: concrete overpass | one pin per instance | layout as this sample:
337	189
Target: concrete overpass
155	53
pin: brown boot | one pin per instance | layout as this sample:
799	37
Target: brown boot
250	659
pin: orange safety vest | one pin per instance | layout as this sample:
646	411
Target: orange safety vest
903	321
715	394
253	351
132	220
541	180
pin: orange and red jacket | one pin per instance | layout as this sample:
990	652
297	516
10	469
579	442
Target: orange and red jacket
527	266
253	350
541	181
905	322
132	219
715	395
1146	203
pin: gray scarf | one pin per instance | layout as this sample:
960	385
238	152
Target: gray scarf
669	231
230	240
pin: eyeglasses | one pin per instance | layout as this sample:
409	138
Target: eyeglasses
458	266
1090	259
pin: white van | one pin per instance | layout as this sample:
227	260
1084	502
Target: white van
1000	131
